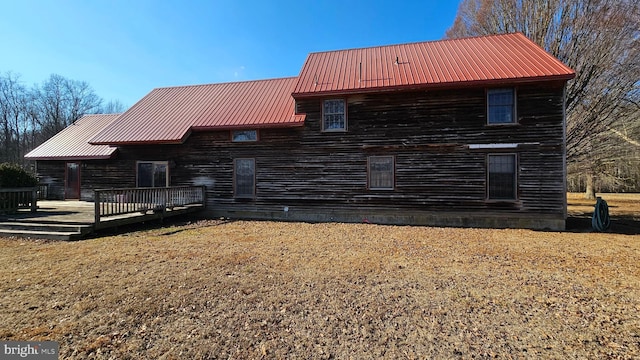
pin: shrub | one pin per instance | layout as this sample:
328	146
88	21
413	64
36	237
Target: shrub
14	176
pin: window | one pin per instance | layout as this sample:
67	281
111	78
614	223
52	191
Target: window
152	174
381	172
244	178
334	115
501	106
244	135
502	177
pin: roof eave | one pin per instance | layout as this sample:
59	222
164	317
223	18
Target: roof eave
250	126
174	141
442	85
141	142
67	158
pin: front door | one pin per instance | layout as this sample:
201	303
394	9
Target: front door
72	181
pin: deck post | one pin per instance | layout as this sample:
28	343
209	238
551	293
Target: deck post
96	207
34	199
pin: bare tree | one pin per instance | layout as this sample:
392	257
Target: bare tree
28	117
600	40
62	102
112	107
12	115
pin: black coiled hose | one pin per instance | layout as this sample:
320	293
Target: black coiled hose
600	220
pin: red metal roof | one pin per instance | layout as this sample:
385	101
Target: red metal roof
72	142
168	115
489	59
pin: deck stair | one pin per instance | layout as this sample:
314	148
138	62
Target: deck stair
41	230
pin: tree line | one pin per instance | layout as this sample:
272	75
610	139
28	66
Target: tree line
31	115
600	40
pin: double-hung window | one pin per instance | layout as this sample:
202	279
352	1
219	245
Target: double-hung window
334	115
381	172
244	174
502	176
501	107
152	174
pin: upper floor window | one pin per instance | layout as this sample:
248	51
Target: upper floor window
501	107
244	135
381	172
502	177
152	174
334	115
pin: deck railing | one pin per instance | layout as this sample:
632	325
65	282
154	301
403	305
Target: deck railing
111	202
43	191
12	199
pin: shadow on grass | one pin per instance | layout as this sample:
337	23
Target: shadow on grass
173	225
620	224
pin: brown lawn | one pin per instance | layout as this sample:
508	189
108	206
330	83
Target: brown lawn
250	290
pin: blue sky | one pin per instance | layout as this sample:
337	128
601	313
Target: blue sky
124	49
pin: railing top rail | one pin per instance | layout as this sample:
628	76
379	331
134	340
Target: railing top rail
22	189
148	188
120	201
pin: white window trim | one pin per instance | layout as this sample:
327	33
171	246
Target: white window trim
493	146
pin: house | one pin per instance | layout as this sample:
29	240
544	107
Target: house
62	160
464	132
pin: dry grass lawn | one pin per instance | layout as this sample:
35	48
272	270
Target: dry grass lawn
251	290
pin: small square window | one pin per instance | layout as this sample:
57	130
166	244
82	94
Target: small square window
502	177
244	135
244	178
381	172
501	106
334	115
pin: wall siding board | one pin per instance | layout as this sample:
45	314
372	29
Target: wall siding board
428	132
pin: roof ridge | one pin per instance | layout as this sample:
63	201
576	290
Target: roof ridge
419	42
109	114
226	82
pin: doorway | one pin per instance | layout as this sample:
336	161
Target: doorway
72	181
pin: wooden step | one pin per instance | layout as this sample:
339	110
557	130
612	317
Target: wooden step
44	231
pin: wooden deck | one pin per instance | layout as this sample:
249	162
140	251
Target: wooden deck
68	220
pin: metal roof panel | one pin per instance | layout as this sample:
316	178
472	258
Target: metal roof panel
167	115
494	58
72	142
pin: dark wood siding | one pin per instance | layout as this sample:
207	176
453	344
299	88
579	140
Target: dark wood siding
428	132
52	174
94	174
106	174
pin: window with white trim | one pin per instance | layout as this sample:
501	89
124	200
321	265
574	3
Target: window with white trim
152	174
334	115
381	172
501	177
244	135
244	178
501	107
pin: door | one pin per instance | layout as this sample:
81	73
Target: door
72	181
